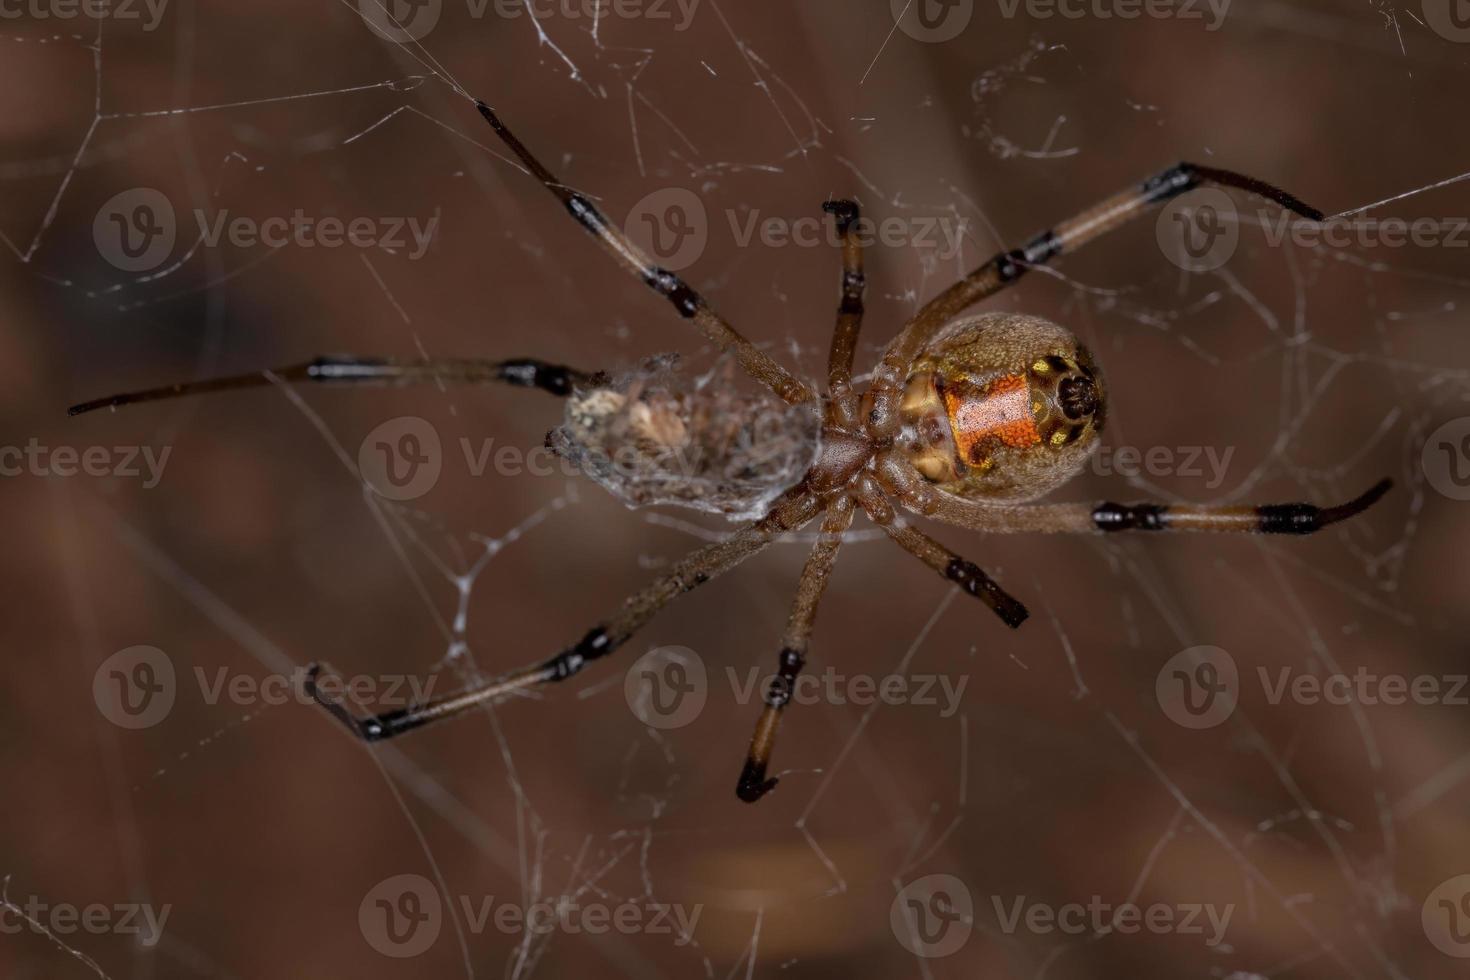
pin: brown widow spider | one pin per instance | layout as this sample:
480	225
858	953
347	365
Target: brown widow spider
965	421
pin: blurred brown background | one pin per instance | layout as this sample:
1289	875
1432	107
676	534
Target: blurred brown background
1323	828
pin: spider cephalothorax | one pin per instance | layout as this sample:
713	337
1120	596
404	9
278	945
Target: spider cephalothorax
965	419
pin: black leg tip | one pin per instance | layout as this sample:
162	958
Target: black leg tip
1228	178
1012	613
974	581
846	212
489	115
753	783
1309	519
1369	497
368	730
82	408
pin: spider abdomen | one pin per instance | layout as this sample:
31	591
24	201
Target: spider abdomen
1002	406
656	436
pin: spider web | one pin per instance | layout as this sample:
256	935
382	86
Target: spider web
1056	777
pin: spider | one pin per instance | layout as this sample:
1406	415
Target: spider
966	420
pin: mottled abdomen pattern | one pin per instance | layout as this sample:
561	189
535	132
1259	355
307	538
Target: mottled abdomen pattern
1002	406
